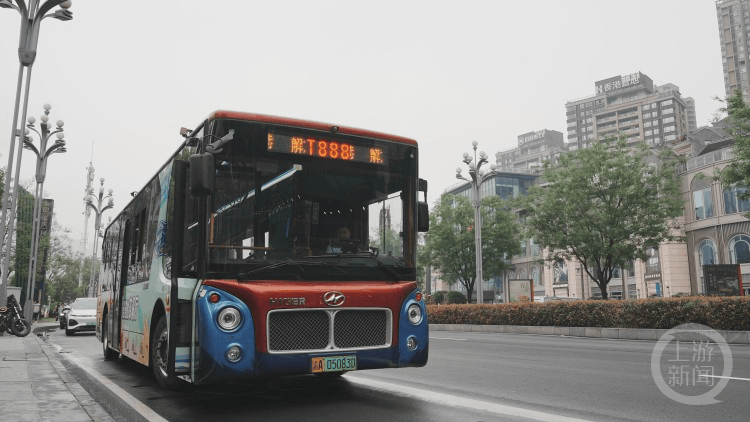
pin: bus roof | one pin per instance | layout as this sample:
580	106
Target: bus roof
307	124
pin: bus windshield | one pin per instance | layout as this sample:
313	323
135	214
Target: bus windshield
291	204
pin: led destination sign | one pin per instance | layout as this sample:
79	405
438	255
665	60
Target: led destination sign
325	148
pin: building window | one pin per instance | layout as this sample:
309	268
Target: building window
739	250
702	203
706	253
732	202
652	260
535	277
534	248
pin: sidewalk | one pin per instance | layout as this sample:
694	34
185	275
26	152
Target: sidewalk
35	386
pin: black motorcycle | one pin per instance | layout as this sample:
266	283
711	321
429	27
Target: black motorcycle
11	319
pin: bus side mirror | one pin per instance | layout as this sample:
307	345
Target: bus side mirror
423	217
423	213
202	174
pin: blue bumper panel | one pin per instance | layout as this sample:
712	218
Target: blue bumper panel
421	332
214	341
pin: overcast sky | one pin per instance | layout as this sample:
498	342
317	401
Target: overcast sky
126	76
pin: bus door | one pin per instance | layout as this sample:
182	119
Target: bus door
118	287
183	289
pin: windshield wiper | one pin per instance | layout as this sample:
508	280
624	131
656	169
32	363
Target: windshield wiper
367	255
281	264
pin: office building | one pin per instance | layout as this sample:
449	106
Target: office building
533	149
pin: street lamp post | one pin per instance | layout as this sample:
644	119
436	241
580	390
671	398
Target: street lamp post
478	176
31	19
98	209
42	154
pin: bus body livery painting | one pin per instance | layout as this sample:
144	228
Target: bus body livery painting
269	246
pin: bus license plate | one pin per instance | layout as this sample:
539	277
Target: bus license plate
334	364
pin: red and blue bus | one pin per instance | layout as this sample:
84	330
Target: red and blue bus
269	246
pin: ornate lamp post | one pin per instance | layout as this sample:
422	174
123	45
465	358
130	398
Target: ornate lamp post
31	19
42	154
98	209
478	177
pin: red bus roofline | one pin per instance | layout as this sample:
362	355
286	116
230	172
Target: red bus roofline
326	127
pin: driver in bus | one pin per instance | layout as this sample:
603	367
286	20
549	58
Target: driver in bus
335	245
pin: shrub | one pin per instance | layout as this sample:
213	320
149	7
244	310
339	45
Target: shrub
438	297
720	313
456	298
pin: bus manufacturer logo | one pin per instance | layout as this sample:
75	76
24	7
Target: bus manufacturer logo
334	298
287	301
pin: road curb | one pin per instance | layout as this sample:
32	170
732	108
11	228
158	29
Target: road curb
89	405
649	334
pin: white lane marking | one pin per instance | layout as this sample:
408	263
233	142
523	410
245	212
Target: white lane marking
455	401
449	338
136	404
730	378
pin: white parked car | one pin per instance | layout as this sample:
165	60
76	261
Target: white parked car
82	316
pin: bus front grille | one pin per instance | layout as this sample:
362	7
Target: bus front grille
310	330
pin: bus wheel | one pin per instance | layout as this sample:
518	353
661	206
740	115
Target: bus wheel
159	354
109	354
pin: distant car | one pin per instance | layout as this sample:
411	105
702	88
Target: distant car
82	316
63	315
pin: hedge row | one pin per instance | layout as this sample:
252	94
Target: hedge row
720	313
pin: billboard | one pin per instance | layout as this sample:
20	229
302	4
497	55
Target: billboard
518	288
723	280
624	83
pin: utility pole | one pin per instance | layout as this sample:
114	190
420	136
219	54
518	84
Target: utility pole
87	213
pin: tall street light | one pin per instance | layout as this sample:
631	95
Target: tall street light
478	176
42	154
98	209
31	19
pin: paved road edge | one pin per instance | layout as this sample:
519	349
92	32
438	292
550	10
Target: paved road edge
731	337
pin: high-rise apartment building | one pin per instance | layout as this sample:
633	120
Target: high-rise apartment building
633	106
734	34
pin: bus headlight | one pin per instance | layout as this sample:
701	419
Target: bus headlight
414	313
229	318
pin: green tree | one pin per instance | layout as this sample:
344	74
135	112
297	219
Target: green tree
388	242
450	241
605	204
62	278
737	173
63	267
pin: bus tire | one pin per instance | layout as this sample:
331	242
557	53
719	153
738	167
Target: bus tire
109	354
159	353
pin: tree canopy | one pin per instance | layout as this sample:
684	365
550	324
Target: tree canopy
737	173
450	242
604	205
